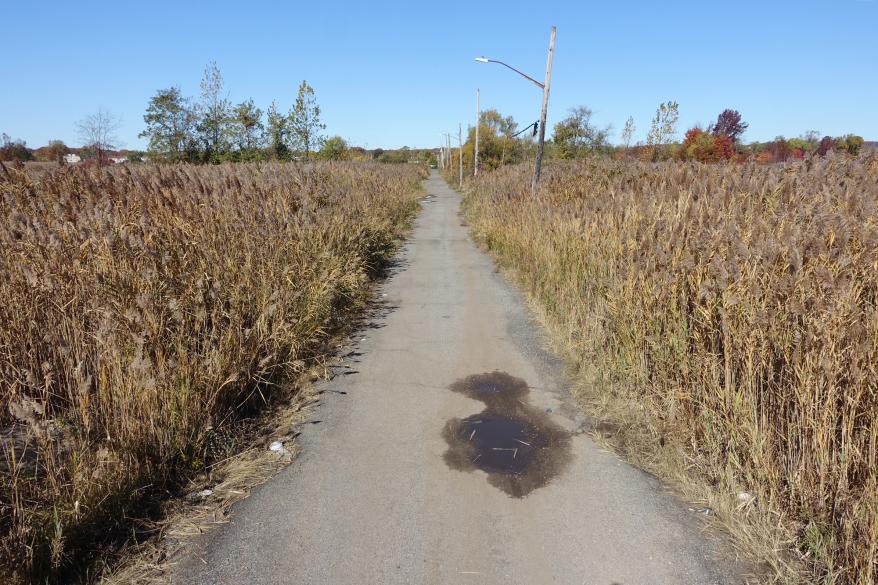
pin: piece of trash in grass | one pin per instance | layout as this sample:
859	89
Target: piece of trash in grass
705	511
278	447
199	495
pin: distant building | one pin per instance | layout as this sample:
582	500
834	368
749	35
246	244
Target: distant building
118	159
72	159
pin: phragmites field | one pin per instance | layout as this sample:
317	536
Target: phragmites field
145	309
723	319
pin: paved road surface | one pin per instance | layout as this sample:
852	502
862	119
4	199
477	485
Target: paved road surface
388	488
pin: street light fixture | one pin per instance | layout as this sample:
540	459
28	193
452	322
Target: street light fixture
545	87
525	75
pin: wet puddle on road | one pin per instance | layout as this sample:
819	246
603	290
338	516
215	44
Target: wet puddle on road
518	446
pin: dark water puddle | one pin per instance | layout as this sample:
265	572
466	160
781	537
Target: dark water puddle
520	447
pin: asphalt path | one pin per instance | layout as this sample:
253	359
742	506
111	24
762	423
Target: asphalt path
450	452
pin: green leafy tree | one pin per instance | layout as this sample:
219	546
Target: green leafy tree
663	126
812	137
213	113
277	133
575	136
247	128
497	144
305	121
800	144
849	143
496	123
334	148
398	156
169	125
56	149
628	131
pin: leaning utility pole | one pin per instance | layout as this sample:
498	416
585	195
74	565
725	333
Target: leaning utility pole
460	150
543	112
478	116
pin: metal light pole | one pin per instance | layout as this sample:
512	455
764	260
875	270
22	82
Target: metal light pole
478	121
543	112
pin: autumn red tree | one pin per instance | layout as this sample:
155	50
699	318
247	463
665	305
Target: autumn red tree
729	123
825	146
723	147
706	147
779	149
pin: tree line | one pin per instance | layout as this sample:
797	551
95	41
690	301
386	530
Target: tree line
210	128
577	136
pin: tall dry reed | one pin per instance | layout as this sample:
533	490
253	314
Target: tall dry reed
733	308
144	310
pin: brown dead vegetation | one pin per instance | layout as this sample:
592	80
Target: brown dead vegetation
723	323
147	313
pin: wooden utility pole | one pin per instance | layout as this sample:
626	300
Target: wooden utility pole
478	116
448	145
543	112
460	149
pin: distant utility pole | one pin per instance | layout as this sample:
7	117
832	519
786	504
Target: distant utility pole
460	149
448	146
478	116
539	163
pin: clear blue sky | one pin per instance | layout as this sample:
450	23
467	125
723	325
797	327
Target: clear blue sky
393	74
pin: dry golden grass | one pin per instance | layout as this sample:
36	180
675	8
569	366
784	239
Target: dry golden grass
723	323
149	310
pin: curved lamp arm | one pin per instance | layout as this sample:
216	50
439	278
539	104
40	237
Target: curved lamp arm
526	76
